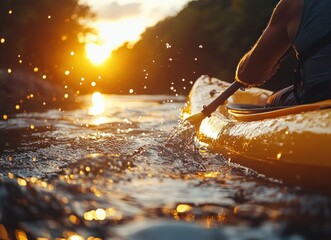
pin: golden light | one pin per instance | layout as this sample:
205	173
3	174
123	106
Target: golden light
97	54
20	235
21	182
64	37
74	219
211	174
98	104
75	237
110	36
100	214
181	208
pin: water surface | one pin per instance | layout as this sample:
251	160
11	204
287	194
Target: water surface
124	168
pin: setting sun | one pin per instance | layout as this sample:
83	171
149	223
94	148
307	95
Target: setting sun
97	54
111	35
124	21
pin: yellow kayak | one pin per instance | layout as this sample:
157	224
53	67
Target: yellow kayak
293	143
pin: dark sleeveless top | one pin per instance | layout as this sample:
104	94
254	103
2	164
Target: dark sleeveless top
316	70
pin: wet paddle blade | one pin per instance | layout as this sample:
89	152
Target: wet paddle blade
196	119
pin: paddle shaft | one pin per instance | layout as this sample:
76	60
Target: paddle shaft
208	110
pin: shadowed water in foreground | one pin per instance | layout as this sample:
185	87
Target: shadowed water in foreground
125	169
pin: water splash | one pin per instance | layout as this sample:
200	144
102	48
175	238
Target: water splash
68	180
182	136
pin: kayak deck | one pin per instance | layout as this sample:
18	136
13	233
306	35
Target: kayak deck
292	140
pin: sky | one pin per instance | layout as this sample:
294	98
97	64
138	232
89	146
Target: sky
120	21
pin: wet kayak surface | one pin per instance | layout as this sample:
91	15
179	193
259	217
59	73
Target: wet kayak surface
123	167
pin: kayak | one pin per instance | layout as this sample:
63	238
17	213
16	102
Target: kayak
292	144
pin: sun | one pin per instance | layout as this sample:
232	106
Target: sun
97	53
110	36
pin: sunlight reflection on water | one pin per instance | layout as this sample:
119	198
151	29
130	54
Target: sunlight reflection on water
98	104
139	166
98	108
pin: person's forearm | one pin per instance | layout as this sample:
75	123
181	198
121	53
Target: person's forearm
244	74
250	73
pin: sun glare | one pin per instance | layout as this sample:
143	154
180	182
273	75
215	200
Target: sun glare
111	35
97	54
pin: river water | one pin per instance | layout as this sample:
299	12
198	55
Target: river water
122	167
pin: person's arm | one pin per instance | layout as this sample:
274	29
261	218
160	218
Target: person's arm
262	61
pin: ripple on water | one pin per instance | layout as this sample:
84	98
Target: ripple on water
137	179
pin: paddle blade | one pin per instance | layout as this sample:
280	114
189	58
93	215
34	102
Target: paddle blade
196	120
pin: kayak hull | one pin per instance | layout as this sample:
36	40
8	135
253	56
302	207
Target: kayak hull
294	142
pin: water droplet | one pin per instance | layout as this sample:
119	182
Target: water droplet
21	182
183	208
64	37
100	214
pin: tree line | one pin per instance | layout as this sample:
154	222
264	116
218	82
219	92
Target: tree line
41	51
205	37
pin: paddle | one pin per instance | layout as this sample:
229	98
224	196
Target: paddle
196	119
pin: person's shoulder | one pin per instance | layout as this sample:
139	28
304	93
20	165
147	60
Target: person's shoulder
287	9
290	6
